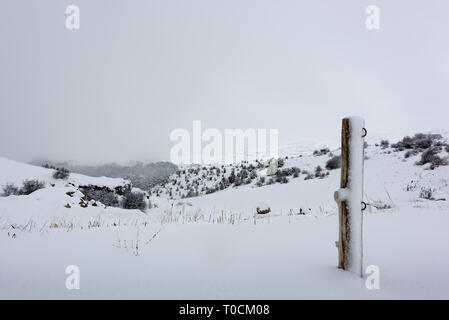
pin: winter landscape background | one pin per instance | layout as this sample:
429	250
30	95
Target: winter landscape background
86	177
200	234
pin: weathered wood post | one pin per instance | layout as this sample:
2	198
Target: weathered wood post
349	196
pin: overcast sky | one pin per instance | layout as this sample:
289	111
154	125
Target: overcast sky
136	70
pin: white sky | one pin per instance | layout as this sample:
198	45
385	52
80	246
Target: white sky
136	70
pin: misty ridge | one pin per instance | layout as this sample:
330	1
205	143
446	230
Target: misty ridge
142	175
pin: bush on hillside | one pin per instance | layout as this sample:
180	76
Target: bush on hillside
103	195
419	141
333	163
134	200
431	156
29	186
61	173
10	189
321	152
384	144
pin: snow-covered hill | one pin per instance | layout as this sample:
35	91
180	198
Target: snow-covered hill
215	245
60	201
16	172
392	179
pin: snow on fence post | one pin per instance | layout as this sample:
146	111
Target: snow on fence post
349	196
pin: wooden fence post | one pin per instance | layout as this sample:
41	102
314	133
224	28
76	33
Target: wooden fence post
349	197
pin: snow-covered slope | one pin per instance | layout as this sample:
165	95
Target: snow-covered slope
391	181
214	245
58	202
16	172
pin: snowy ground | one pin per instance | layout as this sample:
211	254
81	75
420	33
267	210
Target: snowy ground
213	247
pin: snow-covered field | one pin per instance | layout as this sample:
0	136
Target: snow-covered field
214	246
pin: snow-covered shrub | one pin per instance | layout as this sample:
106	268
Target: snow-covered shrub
260	164
281	173
29	186
224	183
280	163
288	172
426	193
423	143
232	177
61	173
48	166
384	144
123	189
253	174
295	171
410	153
319	173
406	143
134	200
431	156
419	141
244	174
308	176
321	152
103	195
192	193
10	189
333	163
237	181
